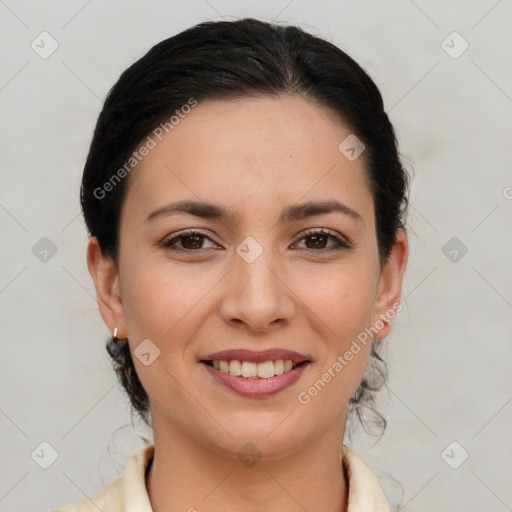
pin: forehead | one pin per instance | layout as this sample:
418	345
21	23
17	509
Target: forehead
271	148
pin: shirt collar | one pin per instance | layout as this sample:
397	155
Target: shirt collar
364	492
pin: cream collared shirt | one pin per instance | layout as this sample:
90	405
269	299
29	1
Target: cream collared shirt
128	492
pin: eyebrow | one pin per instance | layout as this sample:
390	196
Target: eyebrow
291	213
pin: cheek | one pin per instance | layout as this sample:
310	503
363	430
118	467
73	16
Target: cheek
161	298
342	301
342	298
165	303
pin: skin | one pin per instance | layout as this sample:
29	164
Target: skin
255	156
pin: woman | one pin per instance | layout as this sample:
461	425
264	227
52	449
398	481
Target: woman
246	207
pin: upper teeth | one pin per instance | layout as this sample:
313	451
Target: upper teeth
249	369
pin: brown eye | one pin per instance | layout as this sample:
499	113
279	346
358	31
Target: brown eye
188	241
191	241
316	240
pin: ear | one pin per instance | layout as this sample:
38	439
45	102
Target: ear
390	286
108	291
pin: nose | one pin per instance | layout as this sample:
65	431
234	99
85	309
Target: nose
256	294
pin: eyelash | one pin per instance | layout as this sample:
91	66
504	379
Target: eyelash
340	244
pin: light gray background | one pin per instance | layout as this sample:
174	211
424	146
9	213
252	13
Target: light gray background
450	348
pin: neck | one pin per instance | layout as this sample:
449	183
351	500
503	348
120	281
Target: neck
188	476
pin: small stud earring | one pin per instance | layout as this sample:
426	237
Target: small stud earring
115	334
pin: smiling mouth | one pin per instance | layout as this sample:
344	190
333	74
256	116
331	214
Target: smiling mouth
249	369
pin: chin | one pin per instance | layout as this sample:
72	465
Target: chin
268	439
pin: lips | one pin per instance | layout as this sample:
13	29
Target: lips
256	374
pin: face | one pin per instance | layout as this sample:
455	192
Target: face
257	272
